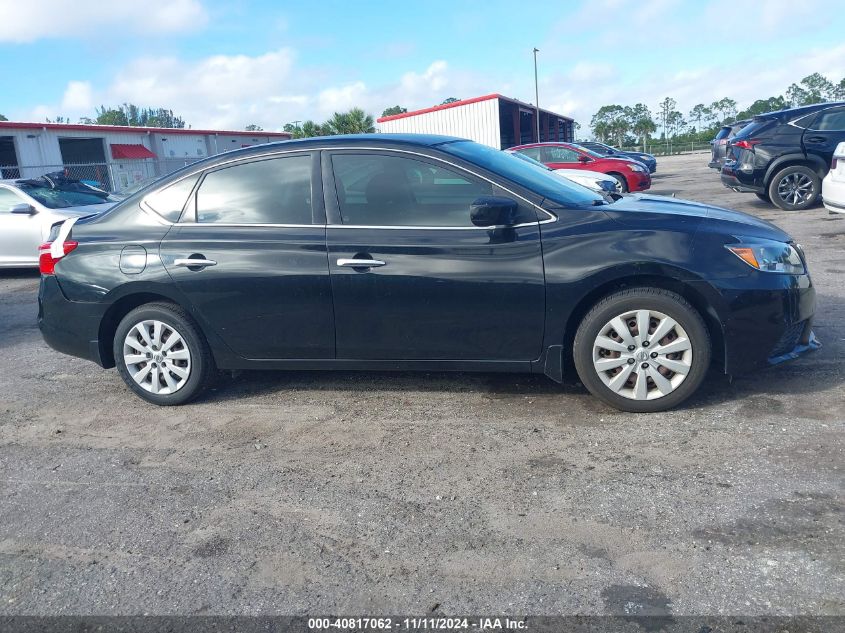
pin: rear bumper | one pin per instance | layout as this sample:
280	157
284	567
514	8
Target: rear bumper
733	180
833	194
70	327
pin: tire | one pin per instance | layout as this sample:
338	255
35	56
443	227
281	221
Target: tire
764	197
621	183
795	188
664	389
167	371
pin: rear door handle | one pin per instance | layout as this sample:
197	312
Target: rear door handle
360	263
194	263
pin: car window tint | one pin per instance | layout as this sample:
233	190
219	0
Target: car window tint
806	121
832	120
723	133
8	199
273	191
532	152
169	201
394	191
559	155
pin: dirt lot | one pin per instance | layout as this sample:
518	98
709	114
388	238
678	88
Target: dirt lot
402	493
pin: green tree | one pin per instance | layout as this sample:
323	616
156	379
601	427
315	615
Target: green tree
252	127
667	106
449	100
356	121
610	123
697	115
641	122
762	106
2	118
394	110
307	129
726	108
131	115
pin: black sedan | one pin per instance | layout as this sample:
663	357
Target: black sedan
418	252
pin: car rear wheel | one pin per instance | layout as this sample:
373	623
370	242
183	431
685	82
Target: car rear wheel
795	188
161	354
642	350
621	183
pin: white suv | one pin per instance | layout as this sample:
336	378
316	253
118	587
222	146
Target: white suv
833	185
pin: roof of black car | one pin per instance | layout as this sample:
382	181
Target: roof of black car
362	139
790	112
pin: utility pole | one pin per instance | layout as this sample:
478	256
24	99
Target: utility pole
536	94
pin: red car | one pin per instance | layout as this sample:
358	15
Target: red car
629	174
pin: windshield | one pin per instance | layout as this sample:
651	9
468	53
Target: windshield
541	181
61	197
586	150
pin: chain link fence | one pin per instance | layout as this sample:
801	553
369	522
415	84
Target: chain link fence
107	176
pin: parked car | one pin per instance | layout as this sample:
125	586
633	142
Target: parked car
630	175
833	185
606	150
418	252
594	180
29	207
783	156
719	144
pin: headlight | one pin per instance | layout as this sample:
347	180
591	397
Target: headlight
635	167
771	257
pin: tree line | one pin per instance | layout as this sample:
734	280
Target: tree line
634	125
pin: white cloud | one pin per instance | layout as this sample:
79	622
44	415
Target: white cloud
341	98
31	20
78	96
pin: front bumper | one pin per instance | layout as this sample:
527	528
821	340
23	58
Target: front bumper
70	327
639	181
768	324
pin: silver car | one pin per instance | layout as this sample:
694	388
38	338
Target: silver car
29	207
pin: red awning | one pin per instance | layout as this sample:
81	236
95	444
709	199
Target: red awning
119	150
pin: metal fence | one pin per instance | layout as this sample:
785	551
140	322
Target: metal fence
661	148
107	176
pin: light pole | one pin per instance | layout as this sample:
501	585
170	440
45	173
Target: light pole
536	94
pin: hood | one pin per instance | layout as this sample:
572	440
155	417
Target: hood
649	210
584	173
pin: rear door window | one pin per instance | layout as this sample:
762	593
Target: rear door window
532	152
271	191
559	155
169	201
832	120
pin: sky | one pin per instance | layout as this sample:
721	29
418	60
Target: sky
227	64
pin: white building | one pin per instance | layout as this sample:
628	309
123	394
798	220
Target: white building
113	156
494	120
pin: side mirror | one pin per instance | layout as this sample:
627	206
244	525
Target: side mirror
583	159
493	211
23	209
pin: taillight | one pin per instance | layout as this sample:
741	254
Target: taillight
749	144
46	259
833	164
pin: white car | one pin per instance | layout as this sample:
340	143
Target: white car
29	207
833	185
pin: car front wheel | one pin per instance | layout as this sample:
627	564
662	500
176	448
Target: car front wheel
161	354
621	183
795	188
642	350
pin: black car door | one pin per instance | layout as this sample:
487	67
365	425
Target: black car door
825	133
261	278
430	285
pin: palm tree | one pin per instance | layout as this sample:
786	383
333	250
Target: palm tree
356	121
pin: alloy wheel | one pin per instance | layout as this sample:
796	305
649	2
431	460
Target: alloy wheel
795	188
157	357
642	354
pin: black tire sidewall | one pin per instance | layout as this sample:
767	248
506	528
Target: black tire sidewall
193	339
659	300
621	180
772	189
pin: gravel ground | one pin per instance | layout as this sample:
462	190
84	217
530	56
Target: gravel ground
411	493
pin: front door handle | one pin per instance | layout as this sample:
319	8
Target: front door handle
190	262
817	139
360	263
